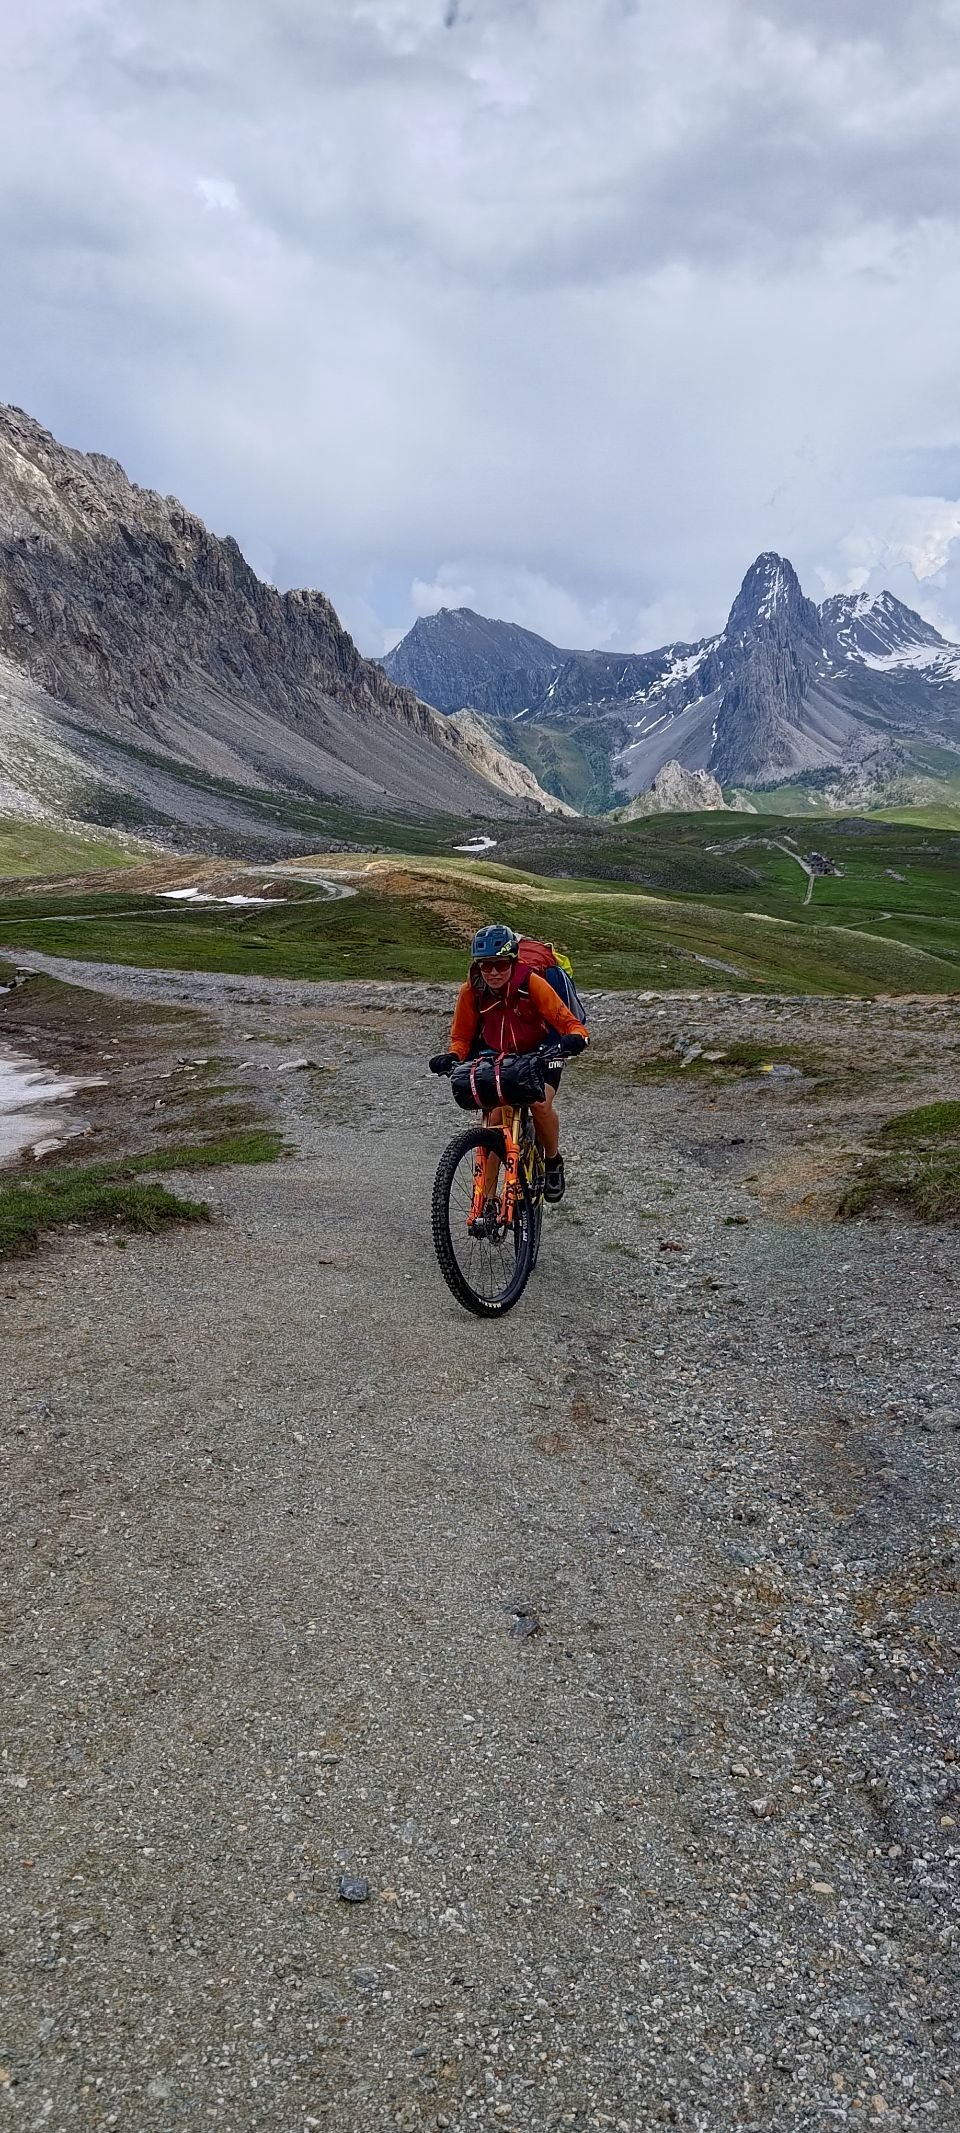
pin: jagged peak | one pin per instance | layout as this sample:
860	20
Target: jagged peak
771	577
771	592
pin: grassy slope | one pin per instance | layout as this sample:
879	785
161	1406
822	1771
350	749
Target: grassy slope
265	812
36	848
925	792
573	765
932	817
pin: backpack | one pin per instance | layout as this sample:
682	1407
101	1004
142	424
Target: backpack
548	963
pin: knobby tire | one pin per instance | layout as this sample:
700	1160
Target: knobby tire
490	1139
537	1210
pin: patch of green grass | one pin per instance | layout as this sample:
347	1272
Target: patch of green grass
737	1060
925	1184
227	1118
58	1199
573	765
930	816
615	938
780	799
28	848
929	1122
918	1168
114	1195
600	851
258	1145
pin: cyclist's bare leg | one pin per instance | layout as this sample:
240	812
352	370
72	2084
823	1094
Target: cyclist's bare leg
547	1123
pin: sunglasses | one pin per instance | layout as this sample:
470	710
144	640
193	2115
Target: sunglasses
496	962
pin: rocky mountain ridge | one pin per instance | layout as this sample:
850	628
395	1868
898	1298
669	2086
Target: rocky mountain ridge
786	689
133	633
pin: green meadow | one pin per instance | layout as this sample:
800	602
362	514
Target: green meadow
704	900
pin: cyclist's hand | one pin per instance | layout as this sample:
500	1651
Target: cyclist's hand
444	1062
568	1046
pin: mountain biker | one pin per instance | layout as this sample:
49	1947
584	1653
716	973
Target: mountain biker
504	1007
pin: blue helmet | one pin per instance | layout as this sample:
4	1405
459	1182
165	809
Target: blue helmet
494	941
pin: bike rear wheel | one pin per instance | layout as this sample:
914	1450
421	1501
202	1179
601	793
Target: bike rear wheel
486	1274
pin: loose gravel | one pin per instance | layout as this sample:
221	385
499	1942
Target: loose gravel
419	1723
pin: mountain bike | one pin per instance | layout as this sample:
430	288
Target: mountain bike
488	1203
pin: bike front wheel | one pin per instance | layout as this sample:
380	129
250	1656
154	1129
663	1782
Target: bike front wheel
535	1170
487	1273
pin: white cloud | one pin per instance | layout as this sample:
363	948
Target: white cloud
913	531
525	596
906	545
933	524
572	304
218	194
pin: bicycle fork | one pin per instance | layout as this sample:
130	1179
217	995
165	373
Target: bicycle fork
486	1171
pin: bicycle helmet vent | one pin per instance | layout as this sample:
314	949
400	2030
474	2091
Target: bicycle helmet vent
494	941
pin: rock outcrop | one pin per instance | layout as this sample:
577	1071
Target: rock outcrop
674	791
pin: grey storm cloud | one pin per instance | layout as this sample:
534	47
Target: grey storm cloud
565	307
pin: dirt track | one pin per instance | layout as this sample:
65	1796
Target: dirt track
615	1646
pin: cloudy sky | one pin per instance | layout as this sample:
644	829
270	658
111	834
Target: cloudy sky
562	309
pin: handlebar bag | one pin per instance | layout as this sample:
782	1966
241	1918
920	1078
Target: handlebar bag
481	1084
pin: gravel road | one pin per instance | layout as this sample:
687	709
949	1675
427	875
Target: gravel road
611	1647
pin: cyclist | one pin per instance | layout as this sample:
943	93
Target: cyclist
503	1007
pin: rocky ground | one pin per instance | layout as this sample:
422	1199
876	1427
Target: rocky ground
412	1722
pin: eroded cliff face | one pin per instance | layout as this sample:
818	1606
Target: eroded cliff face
122	607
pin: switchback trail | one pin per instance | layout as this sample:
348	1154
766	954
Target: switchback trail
612	1646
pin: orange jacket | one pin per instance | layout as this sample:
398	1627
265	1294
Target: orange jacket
517	1020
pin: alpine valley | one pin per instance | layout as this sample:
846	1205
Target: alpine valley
852	703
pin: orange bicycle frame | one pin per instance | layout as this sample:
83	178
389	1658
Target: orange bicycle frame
506	1204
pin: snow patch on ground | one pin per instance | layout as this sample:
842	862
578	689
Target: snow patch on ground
25	1089
682	666
920	656
201	896
645	731
477	844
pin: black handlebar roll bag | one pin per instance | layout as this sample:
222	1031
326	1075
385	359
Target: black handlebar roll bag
481	1084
